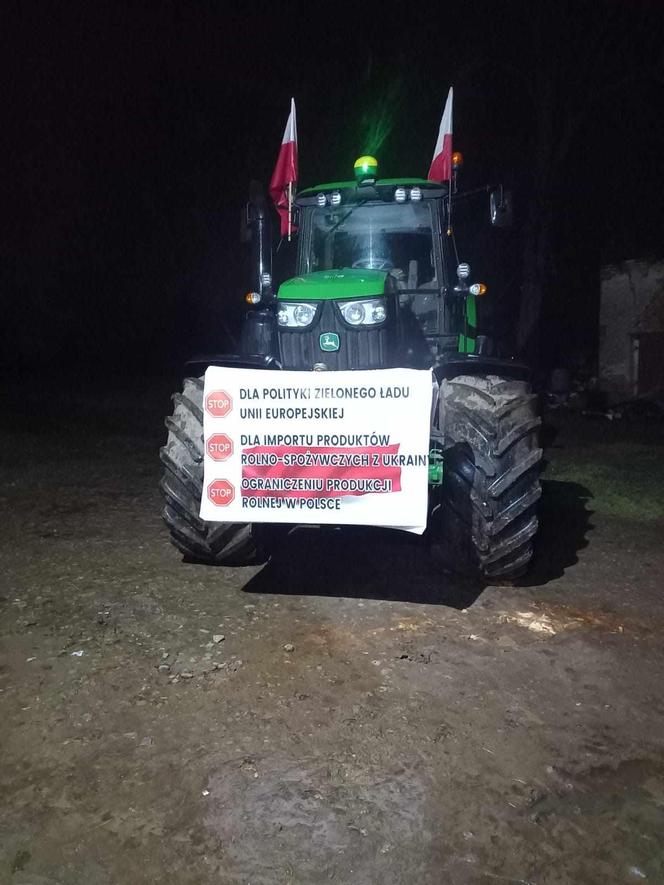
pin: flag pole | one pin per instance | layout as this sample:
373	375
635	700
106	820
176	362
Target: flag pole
449	209
290	209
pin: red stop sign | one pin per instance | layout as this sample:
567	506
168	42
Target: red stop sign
218	403
221	492
219	446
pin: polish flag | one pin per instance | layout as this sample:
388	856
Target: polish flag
284	176
441	165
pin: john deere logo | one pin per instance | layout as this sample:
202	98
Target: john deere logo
329	341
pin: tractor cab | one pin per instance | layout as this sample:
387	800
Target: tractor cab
379	237
393	226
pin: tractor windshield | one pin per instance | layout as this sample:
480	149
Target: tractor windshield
397	237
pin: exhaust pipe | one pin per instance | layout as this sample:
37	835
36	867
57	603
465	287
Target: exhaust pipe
259	329
258	221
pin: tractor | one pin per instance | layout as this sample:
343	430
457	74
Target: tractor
378	285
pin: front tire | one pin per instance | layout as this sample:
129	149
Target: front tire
213	543
491	482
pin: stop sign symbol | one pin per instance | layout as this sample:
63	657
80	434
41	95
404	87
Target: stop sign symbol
219	446
218	403
221	492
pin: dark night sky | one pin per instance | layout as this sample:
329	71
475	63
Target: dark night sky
134	130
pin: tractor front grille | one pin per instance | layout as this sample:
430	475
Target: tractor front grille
363	347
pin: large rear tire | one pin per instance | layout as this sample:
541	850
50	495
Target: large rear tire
213	543
491	483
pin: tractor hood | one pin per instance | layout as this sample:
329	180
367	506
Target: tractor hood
327	285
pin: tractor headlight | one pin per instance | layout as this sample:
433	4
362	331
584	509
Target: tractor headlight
295	315
363	313
303	314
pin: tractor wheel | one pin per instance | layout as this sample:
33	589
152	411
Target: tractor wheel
491	483
214	543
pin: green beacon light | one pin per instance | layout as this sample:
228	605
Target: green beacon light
366	170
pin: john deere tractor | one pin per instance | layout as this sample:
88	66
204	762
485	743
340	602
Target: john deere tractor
377	286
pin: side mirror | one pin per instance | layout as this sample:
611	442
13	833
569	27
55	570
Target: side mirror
500	208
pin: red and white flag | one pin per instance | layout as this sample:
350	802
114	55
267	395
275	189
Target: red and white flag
284	177
441	165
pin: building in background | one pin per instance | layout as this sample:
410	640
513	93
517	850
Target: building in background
631	329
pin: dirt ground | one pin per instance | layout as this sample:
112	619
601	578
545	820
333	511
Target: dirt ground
344	714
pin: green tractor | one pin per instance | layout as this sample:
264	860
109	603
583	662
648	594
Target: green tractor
377	287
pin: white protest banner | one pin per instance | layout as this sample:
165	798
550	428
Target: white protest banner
343	448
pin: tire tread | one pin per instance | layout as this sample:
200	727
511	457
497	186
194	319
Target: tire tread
491	477
213	543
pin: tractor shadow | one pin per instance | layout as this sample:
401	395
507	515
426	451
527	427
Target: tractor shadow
564	523
361	563
371	563
563	513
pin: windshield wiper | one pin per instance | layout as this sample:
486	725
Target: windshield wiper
344	218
